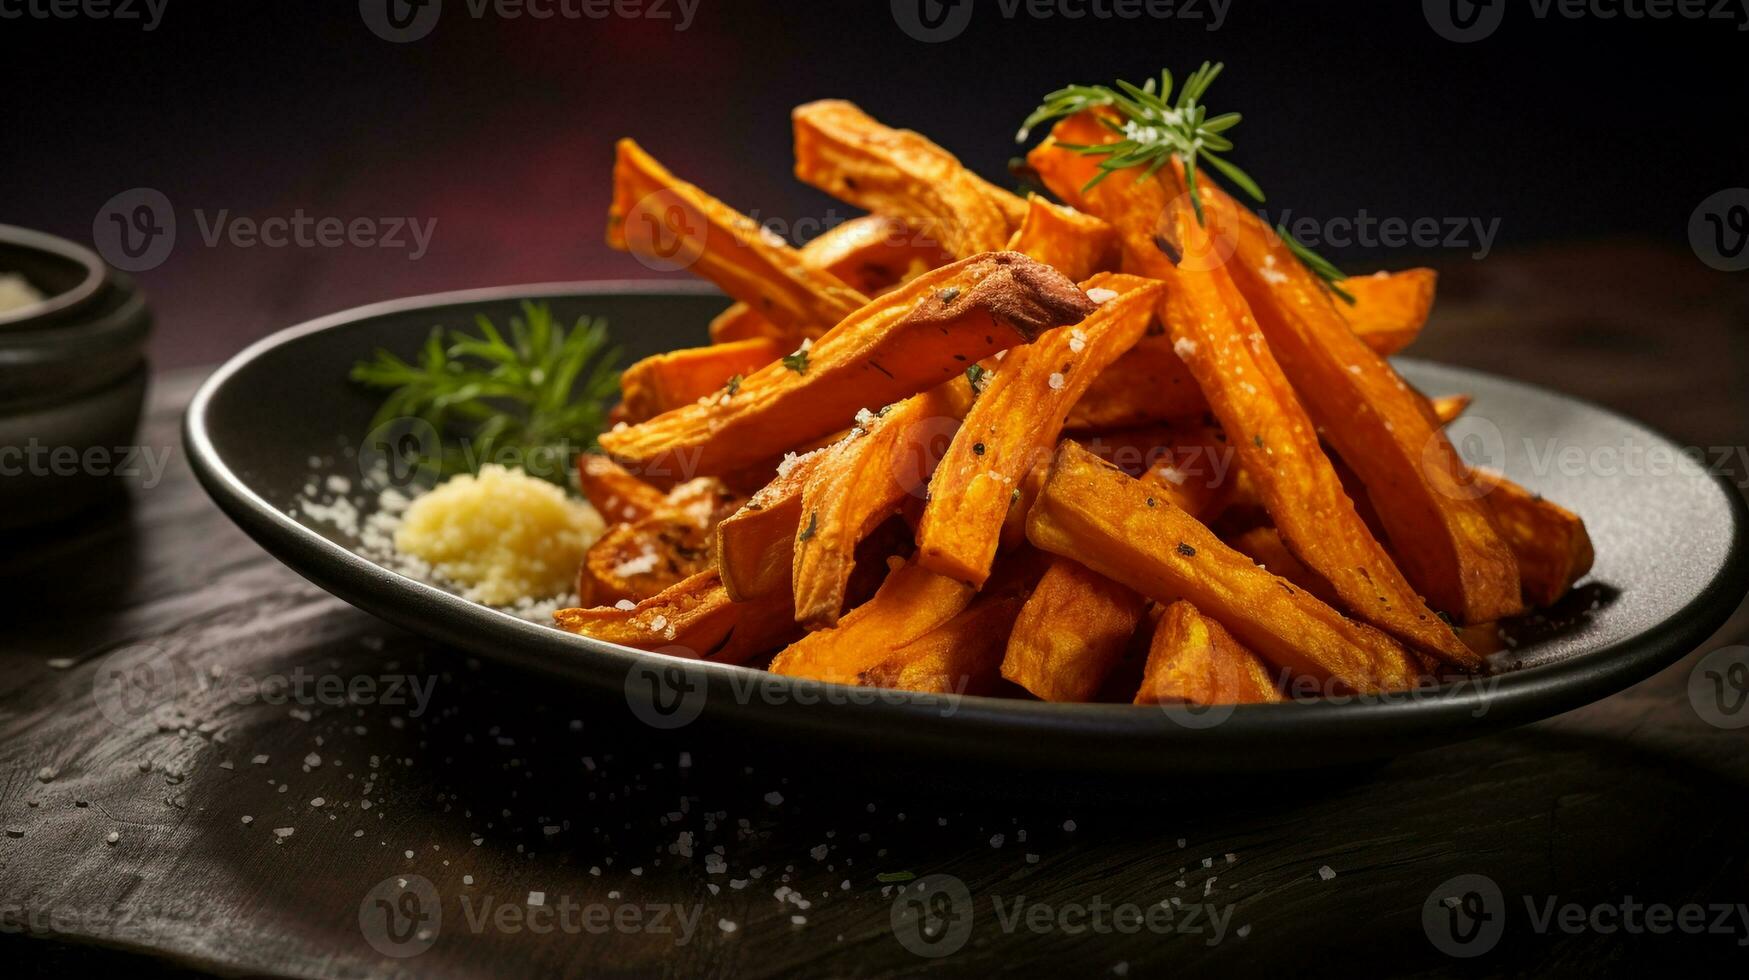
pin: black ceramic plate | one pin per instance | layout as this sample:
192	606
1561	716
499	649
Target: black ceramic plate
1670	565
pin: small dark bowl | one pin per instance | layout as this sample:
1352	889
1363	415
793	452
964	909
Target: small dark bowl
72	376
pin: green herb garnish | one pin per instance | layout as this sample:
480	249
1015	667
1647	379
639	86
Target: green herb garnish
891	877
732	385
1155	129
533	400
797	362
813	526
976	375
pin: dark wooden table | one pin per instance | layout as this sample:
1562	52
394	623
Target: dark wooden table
215	820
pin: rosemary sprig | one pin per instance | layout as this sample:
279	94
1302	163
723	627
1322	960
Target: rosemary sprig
533	399
1154	129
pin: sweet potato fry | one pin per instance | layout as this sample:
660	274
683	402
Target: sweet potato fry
1214	331
1014	423
912	602
690	617
860	482
1194	660
1448	408
1447	541
755	545
1071	633
1091	511
664	382
1148	384
640	559
1389	308
1263	546
843	152
872	254
619	496
911	339
961	656
1551	543
657	215
1077	244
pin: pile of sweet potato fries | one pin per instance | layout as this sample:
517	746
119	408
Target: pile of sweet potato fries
1100	449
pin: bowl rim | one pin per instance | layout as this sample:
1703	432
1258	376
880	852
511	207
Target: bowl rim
1421	721
96	274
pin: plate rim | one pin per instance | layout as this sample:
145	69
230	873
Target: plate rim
1434	717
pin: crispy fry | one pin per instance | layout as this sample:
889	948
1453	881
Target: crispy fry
843	152
690	617
1015	422
1079	245
1148	384
872	254
664	382
619	496
1071	633
961	656
1263	546
1389	308
656	214
911	339
1447	408
1090	511
912	602
1187	460
1551	543
1194	660
640	559
861	482
1447	541
1277	445
755	545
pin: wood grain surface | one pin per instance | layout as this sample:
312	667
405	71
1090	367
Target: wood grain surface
210	818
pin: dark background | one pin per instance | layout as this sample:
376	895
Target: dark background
501	130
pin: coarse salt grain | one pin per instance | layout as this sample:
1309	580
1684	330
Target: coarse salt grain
1099	295
1184	347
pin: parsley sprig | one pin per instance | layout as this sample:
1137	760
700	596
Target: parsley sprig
1153	129
542	390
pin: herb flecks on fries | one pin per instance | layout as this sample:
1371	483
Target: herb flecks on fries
916	454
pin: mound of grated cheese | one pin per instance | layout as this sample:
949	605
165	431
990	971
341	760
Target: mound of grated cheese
503	536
